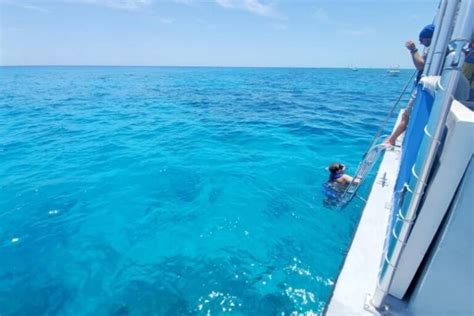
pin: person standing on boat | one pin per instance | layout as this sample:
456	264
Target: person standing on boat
418	59
425	37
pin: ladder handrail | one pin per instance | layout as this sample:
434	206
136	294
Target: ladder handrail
370	157
390	113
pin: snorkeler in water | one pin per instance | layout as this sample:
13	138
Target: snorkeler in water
336	184
338	176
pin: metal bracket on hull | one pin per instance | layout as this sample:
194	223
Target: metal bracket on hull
383	181
369	307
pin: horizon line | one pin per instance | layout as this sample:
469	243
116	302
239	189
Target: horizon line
206	66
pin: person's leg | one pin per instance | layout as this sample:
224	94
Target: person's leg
401	127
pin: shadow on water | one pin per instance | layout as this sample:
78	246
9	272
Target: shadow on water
278	207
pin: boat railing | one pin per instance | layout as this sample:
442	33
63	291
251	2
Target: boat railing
460	12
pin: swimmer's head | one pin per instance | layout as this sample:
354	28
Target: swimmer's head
336	168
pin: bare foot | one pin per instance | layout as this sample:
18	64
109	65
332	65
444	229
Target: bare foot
388	143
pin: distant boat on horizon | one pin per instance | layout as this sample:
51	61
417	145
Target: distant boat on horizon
394	71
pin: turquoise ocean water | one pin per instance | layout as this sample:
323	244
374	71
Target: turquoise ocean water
176	191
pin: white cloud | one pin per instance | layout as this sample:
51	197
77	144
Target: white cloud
253	6
34	8
256	7
131	5
225	3
187	2
127	4
25	6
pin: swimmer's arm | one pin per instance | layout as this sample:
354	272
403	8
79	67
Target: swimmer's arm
349	179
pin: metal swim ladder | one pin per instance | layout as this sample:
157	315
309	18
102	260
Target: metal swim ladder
371	155
370	158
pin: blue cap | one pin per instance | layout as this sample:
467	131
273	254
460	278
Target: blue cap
427	32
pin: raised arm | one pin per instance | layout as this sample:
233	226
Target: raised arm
418	60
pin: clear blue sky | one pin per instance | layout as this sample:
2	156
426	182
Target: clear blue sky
278	33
